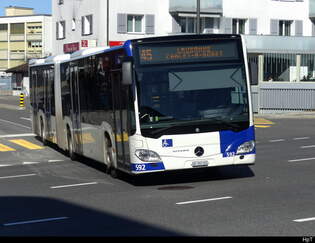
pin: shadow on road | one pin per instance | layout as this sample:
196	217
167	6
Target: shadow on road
60	218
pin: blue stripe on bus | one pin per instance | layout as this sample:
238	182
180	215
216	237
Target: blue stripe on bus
230	140
127	46
147	167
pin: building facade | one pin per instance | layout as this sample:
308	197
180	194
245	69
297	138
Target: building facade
280	34
23	36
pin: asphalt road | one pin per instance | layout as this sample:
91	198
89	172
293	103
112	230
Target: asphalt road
43	193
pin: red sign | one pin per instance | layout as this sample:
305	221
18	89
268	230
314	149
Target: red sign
71	47
84	43
116	43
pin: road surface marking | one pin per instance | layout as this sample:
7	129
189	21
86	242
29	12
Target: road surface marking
203	200
308	146
30	163
303	138
17	176
35	221
26	144
74	185
304	220
276	140
13	123
262	126
4	148
262	121
55	160
18	135
24	118
297	160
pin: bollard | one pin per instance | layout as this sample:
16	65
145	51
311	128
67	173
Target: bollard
22	105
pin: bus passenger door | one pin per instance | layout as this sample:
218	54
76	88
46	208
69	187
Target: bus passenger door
34	100
47	103
75	110
120	120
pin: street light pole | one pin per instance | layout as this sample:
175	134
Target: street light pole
198	17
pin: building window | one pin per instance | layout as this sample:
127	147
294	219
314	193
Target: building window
307	69
280	67
61	30
134	23
207	24
238	26
73	25
285	27
87	25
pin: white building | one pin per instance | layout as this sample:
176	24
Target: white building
280	34
23	35
86	23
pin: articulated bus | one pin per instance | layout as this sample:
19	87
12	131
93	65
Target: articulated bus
151	105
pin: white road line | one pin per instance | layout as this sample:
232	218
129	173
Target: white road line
13	123
55	160
16	176
18	135
304	220
276	140
203	200
73	185
297	160
35	221
302	138
30	163
307	146
24	118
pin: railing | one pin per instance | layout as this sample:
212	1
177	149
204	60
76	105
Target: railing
191	5
17	55
17	37
3	36
34	36
283	97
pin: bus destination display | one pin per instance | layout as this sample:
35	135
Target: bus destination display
190	52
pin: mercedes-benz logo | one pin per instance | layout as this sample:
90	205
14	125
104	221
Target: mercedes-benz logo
199	151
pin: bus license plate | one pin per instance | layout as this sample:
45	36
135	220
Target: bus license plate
199	163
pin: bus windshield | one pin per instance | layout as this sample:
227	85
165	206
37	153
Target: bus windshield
190	98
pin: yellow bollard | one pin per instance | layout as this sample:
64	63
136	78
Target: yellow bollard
22	105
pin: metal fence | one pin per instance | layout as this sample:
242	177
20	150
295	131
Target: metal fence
283	97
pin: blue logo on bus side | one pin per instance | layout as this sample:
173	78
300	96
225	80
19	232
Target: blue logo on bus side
167	143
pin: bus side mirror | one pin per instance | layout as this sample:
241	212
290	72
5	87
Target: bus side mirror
127	73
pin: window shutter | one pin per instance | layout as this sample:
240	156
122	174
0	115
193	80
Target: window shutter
274	27
253	26
298	28
91	24
57	31
149	23
82	25
122	23
226	25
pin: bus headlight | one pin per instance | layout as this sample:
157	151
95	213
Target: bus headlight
246	147
146	155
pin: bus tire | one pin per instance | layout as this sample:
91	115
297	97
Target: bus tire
110	167
42	132
71	153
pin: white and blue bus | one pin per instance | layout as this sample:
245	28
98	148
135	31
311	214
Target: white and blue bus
153	104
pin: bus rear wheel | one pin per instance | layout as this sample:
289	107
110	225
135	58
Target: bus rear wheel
71	153
110	168
42	132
